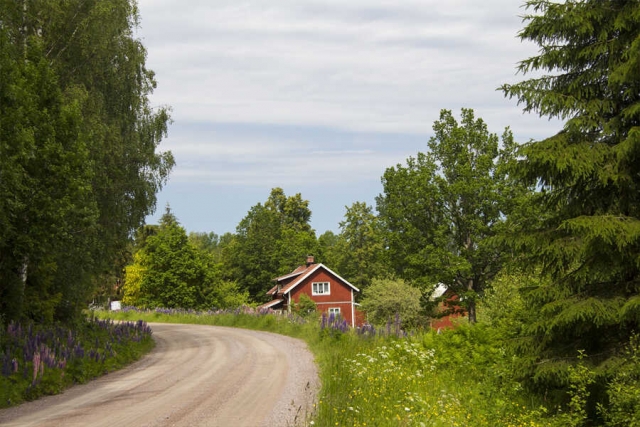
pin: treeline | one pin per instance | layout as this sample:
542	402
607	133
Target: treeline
79	170
435	223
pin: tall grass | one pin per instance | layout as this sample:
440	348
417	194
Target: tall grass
425	380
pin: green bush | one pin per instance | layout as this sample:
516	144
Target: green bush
306	307
386	298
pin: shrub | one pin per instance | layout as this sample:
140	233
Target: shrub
306	307
386	298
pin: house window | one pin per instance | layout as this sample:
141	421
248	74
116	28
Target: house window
334	310
320	288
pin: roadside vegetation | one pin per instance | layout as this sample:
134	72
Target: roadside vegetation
39	360
386	376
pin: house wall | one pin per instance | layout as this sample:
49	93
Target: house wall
449	321
340	294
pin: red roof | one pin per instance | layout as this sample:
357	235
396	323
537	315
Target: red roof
294	273
271	303
306	272
272	290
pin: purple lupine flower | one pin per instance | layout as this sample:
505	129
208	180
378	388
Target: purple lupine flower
397	324
36	367
78	351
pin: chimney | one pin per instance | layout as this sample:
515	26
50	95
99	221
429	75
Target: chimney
310	260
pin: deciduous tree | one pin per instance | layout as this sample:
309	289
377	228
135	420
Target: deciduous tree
442	207
271	240
386	298
79	166
360	249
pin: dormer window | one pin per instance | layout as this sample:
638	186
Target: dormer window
320	288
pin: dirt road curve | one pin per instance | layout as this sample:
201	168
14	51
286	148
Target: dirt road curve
196	376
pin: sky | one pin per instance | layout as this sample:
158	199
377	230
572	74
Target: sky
319	97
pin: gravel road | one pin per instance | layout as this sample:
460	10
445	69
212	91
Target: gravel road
196	376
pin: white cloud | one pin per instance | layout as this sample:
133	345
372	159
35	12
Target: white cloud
364	69
327	64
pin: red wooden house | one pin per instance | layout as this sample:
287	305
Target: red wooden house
330	292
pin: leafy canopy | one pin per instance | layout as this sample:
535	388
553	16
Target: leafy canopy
270	240
79	166
440	209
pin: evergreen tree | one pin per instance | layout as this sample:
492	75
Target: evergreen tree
588	244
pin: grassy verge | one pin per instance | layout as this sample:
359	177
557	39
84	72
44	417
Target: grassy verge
452	379
37	360
458	378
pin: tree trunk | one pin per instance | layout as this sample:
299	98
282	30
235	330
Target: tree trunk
471	305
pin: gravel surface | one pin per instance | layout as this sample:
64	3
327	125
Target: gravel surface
196	376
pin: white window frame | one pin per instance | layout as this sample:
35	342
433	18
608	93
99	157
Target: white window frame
334	310
321	288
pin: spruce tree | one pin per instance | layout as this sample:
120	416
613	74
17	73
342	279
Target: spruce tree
587	73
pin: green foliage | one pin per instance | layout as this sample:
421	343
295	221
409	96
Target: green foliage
580	378
330	250
270	240
588	243
209	243
390	382
220	293
386	298
359	250
173	269
306	307
78	163
623	391
172	272
503	305
440	210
